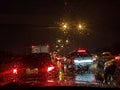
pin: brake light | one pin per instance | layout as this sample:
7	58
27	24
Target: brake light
33	46
94	79
14	71
50	68
117	57
81	51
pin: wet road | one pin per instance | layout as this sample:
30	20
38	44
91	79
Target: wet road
63	79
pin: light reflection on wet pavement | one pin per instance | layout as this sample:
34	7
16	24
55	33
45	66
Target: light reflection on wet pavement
63	79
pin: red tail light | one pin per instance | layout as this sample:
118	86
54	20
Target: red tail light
15	71
117	57
94	79
50	68
81	51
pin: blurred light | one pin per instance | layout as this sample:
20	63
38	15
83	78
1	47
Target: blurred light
56	46
82	61
79	26
59	64
67	41
47	46
64	26
62	46
60	76
15	70
81	51
58	50
94	79
85	78
59	41
50	68
33	46
117	57
58	58
50	81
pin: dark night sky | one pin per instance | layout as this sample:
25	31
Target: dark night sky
27	21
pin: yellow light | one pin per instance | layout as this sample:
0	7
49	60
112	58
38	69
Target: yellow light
65	26
62	46
60	76
80	26
67	41
59	41
56	45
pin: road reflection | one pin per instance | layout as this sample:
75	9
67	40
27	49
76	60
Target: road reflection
63	79
86	77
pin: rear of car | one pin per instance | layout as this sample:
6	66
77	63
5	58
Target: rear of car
39	64
99	65
33	66
80	60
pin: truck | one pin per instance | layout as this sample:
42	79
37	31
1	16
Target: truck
40	49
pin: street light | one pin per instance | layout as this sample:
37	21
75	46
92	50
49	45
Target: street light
80	26
64	27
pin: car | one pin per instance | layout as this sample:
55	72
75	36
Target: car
106	68
98	66
102	58
38	66
80	60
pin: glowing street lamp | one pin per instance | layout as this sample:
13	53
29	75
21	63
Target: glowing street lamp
80	26
65	26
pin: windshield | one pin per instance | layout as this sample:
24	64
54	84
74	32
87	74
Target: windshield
57	42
